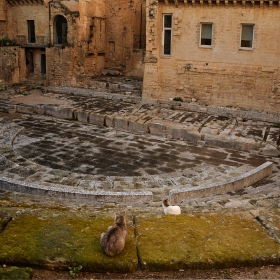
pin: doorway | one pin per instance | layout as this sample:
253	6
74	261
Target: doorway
43	64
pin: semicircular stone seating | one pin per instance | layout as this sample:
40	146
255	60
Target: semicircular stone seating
126	190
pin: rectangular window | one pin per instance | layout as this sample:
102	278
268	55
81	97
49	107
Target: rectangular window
206	34
31	31
167	34
247	35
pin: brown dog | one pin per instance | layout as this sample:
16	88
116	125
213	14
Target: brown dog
113	240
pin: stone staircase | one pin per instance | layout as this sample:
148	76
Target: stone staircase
33	82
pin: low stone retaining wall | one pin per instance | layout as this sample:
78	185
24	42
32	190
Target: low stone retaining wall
94	197
132	124
139	198
236	183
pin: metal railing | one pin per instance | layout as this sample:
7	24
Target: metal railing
32	41
24	40
63	41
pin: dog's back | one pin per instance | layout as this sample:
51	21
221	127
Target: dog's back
113	241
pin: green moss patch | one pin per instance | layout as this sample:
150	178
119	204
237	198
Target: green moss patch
204	241
62	242
4	220
15	273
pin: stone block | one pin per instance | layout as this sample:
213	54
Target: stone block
157	128
59	112
109	121
24	109
82	116
97	119
190	135
121	123
137	127
174	132
101	84
114	87
39	109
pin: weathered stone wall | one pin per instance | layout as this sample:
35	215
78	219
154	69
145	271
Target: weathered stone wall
222	74
97	37
12	64
83	58
18	15
125	23
37	62
3	31
60	66
2	11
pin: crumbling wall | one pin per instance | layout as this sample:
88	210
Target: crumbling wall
125	30
60	70
12	64
17	17
222	74
3	12
83	57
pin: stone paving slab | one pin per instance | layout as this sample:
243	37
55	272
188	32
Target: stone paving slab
60	241
204	241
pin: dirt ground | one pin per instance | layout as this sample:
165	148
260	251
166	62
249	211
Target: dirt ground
264	272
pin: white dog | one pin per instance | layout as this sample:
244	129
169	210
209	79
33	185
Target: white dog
168	209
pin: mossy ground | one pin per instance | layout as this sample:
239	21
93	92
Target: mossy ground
63	241
204	241
15	273
59	239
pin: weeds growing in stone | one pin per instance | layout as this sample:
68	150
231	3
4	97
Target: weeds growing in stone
74	270
178	99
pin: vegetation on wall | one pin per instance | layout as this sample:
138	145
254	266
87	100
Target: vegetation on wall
6	41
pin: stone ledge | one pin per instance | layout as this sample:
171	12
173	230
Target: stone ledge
94	197
237	183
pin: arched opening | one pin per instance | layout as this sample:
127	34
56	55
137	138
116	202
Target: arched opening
60	30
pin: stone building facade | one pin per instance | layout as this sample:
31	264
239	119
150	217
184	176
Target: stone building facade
217	52
72	42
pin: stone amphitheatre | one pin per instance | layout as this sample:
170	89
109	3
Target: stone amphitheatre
110	151
116	149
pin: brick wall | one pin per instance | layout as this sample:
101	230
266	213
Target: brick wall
222	74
